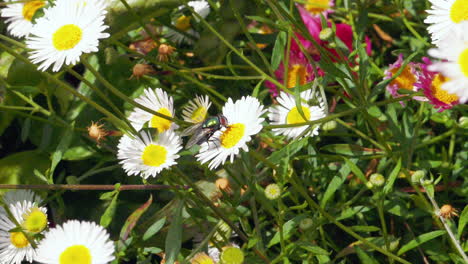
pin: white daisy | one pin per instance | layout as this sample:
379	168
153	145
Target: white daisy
446	17
286	112
148	157
76	242
244	120
454	65
196	110
159	101
66	31
14	246
183	23
19	16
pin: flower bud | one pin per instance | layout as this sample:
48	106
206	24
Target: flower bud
306	223
417	176
377	179
463	122
330	125
272	191
326	34
232	255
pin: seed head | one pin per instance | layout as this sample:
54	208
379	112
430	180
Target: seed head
447	211
96	132
164	52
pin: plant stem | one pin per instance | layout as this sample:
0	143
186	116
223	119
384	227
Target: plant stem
89	187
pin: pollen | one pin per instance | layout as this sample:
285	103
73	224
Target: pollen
439	93
35	220
67	37
18	239
459	11
295	117
317	6
232	135
154	155
199	114
405	80
160	123
77	254
183	23
297	72
463	61
30	8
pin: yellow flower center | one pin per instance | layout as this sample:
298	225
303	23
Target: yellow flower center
439	93
295	117
35	220
232	135
30	8
183	23
154	155
77	254
463	62
18	239
67	37
201	258
161	124
405	80
459	11
297	72
199	114
317	6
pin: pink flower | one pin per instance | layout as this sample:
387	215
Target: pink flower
299	67
430	83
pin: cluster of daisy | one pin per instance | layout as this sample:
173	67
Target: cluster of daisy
67	29
444	82
147	154
25	235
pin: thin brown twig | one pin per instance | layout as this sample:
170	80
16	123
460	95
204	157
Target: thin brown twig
90	187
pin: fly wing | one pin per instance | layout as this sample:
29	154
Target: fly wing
191	129
197	137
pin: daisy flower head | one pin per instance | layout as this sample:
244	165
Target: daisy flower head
431	84
183	23
317	7
146	156
446	17
159	101
15	246
454	66
286	112
197	109
19	16
244	121
66	31
76	242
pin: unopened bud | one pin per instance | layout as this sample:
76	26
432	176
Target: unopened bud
463	122
418	176
330	125
306	223
326	34
377	179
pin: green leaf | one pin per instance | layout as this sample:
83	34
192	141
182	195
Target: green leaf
131	222
391	179
365	228
350	150
335	183
287	151
154	228
364	257
278	50
152	250
18	168
108	215
463	220
356	170
313	249
17	72
420	240
174	236
288	230
61	148
257	88
25	129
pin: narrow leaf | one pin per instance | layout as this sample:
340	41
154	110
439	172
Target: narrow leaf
463	220
335	183
278	50
420	240
133	218
391	179
108	215
154	228
174	236
364	257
